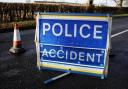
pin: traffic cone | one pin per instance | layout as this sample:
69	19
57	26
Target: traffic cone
17	45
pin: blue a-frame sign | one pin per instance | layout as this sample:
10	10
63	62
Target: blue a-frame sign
76	42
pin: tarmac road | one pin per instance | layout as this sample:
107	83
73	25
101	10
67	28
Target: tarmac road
20	71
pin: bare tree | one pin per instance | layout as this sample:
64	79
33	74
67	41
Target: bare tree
91	2
119	2
91	6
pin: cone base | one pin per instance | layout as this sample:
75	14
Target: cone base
16	50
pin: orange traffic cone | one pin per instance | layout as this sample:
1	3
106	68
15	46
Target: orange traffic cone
17	45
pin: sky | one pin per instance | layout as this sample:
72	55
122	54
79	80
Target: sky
98	2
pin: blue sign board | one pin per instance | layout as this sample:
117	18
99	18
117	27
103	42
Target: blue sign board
78	33
72	55
79	42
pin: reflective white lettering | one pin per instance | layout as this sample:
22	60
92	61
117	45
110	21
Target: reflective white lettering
66	55
58	27
52	53
99	57
96	32
60	52
81	30
81	56
46	27
73	55
45	53
90	57
75	30
66	31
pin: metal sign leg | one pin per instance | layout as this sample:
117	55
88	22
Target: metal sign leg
57	77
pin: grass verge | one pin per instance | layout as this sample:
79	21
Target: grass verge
31	24
120	15
7	27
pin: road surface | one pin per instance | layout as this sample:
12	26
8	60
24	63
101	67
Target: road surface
20	71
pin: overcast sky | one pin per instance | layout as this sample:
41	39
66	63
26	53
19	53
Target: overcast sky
103	2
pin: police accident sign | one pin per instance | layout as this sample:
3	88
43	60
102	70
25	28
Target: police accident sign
76	42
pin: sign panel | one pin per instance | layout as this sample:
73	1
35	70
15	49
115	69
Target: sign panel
78	33
76	42
71	55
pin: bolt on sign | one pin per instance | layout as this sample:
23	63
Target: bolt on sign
75	42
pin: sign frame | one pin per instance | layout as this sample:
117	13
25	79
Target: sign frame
89	71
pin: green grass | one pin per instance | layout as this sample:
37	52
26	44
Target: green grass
120	15
23	25
32	24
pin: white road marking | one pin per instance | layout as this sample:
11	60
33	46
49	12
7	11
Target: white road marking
114	35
